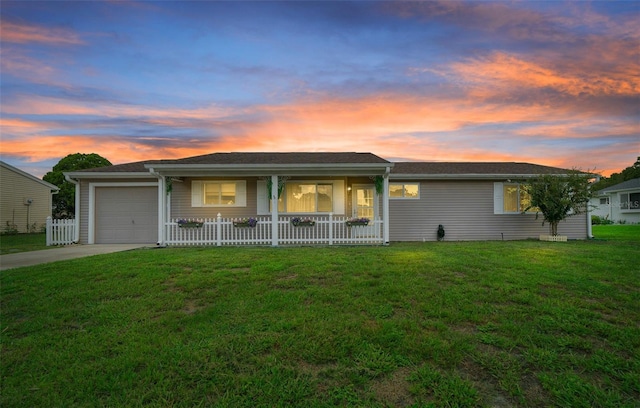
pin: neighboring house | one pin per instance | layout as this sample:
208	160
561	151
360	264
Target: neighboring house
619	203
149	202
25	200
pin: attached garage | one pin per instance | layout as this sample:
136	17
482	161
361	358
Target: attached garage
125	215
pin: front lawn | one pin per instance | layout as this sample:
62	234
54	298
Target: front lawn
14	243
523	324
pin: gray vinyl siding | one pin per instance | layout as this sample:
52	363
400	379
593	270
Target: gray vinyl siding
84	211
181	201
465	209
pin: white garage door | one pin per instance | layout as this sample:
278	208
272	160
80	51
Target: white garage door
126	215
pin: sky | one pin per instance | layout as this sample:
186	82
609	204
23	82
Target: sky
546	82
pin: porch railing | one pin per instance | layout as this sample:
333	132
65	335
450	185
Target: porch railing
60	232
328	230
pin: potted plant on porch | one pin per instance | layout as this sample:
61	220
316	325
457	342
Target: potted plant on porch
302	222
357	222
182	223
245	222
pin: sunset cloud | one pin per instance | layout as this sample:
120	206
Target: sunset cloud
554	83
21	33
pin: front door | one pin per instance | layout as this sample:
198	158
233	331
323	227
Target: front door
365	205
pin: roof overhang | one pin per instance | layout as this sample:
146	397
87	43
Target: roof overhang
328	169
108	175
474	176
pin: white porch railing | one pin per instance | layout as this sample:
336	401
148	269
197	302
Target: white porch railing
328	230
60	232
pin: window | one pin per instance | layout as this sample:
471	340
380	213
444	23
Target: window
630	201
227	193
404	190
604	201
308	197
219	193
516	200
304	196
510	198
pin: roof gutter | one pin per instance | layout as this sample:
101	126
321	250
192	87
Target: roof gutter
354	169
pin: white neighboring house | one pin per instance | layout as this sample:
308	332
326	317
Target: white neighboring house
619	203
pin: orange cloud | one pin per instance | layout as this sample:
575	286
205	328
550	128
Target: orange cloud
391	125
25	33
501	72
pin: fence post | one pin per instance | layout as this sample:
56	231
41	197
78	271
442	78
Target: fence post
219	230
331	228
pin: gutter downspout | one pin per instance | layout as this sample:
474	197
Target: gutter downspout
589	226
162	206
76	215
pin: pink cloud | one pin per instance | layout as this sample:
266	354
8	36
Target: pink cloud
25	33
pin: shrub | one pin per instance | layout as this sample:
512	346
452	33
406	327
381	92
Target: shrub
597	220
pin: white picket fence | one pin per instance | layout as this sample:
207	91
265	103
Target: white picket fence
328	230
60	232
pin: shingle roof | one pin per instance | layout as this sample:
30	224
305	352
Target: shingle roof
283	158
136	167
633	183
460	168
248	158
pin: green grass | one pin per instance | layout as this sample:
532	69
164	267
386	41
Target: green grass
10	244
617	232
523	324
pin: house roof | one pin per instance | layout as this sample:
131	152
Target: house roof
247	164
29	176
284	158
136	167
264	164
471	169
625	185
306	163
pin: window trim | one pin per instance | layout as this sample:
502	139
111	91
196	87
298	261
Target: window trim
337	200
403	184
307	182
624	205
498	199
198	196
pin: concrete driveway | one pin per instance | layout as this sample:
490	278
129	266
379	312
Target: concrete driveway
20	259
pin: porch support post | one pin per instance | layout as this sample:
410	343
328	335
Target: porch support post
162	208
385	206
274	210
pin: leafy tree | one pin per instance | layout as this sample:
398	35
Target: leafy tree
629	173
559	196
64	201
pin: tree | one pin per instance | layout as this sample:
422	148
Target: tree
629	173
559	196
64	201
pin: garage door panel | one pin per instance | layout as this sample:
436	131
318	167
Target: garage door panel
126	215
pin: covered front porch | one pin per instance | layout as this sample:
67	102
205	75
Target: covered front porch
273	203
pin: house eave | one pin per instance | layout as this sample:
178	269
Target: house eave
474	176
187	170
109	175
